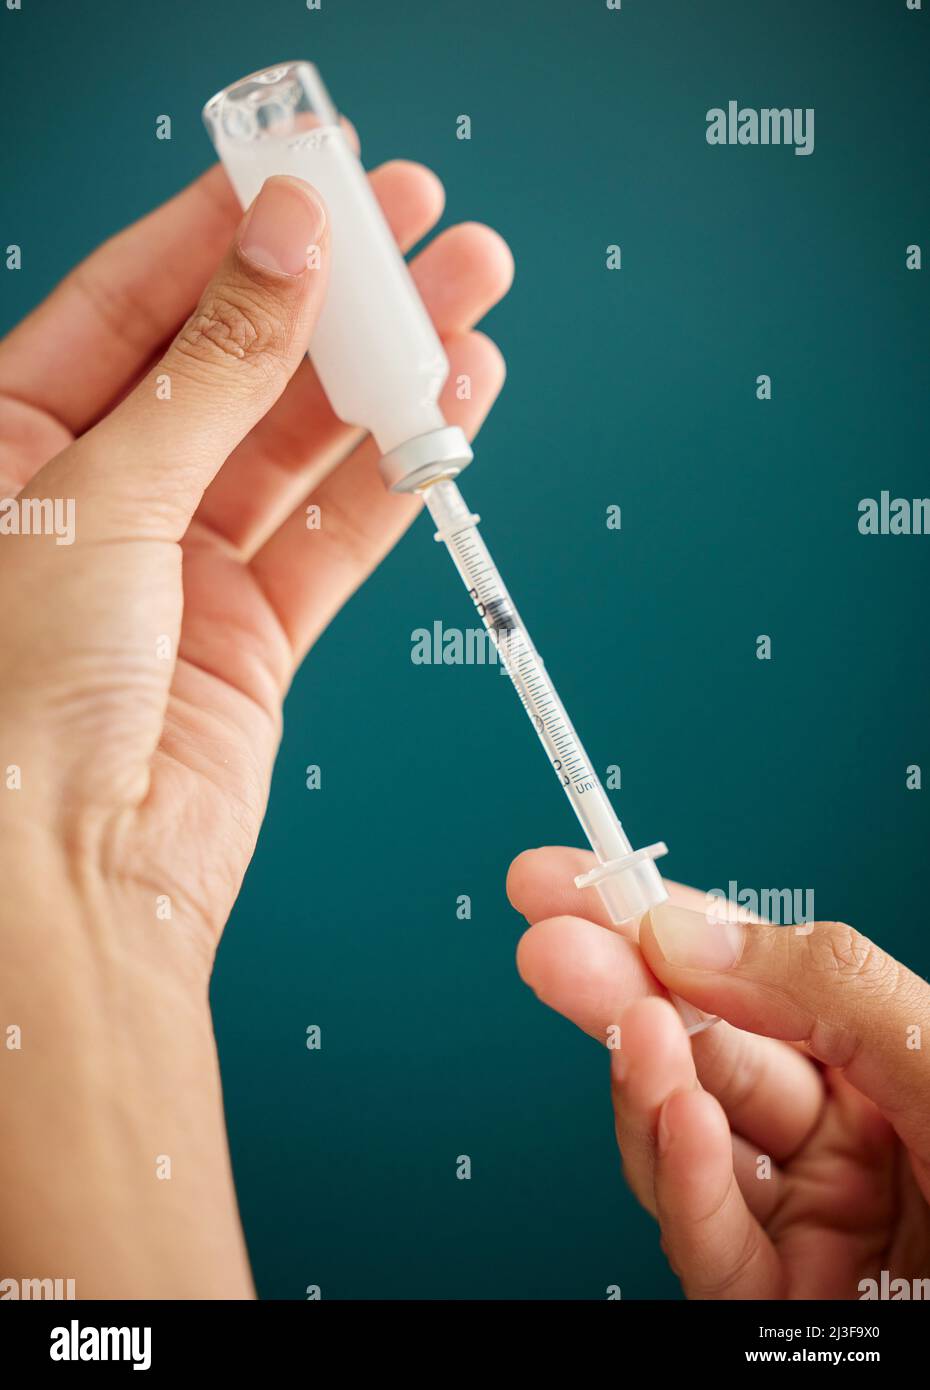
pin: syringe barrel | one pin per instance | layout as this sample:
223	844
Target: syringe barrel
374	347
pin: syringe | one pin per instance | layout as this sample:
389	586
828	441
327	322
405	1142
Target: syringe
382	367
627	880
632	885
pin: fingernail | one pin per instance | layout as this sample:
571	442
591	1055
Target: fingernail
284	227
689	940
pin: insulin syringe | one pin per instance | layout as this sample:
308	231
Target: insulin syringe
626	895
382	366
626	879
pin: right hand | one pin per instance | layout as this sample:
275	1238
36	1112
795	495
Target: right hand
785	1152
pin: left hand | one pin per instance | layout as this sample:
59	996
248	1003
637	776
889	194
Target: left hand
145	664
142	672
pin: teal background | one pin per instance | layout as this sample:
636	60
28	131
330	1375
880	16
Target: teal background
634	387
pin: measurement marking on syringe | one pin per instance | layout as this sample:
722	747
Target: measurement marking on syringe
527	671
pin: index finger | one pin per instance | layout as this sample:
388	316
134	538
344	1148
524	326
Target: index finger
771	1093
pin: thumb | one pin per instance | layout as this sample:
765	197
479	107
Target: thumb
152	457
858	1009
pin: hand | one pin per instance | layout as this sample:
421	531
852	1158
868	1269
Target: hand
141	678
146	739
787	1153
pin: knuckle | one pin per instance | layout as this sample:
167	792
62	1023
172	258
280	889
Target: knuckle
842	971
840	953
739	1072
349	532
717	1283
124	311
233	324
